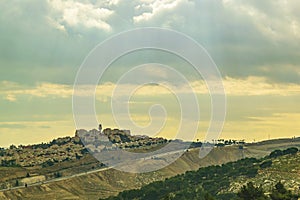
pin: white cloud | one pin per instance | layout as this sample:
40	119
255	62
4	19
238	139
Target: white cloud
73	13
156	7
40	90
56	25
254	86
250	86
274	19
11	98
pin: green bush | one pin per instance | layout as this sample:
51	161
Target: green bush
266	164
250	192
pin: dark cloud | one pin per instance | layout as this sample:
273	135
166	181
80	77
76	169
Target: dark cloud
243	37
33	50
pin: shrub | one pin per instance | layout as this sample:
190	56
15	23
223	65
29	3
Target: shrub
291	151
276	153
266	164
250	192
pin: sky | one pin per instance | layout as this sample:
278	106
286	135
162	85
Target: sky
255	45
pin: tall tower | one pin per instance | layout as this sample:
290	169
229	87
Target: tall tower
100	128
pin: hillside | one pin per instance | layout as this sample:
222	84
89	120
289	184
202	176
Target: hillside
78	184
226	180
110	181
283	168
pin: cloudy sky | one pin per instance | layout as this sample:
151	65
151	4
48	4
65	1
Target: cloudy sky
255	44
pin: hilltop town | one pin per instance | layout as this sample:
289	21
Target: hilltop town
95	141
112	139
73	148
66	156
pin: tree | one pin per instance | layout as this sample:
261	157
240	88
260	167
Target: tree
48	163
17	183
250	192
12	147
276	153
291	151
266	164
57	175
280	193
